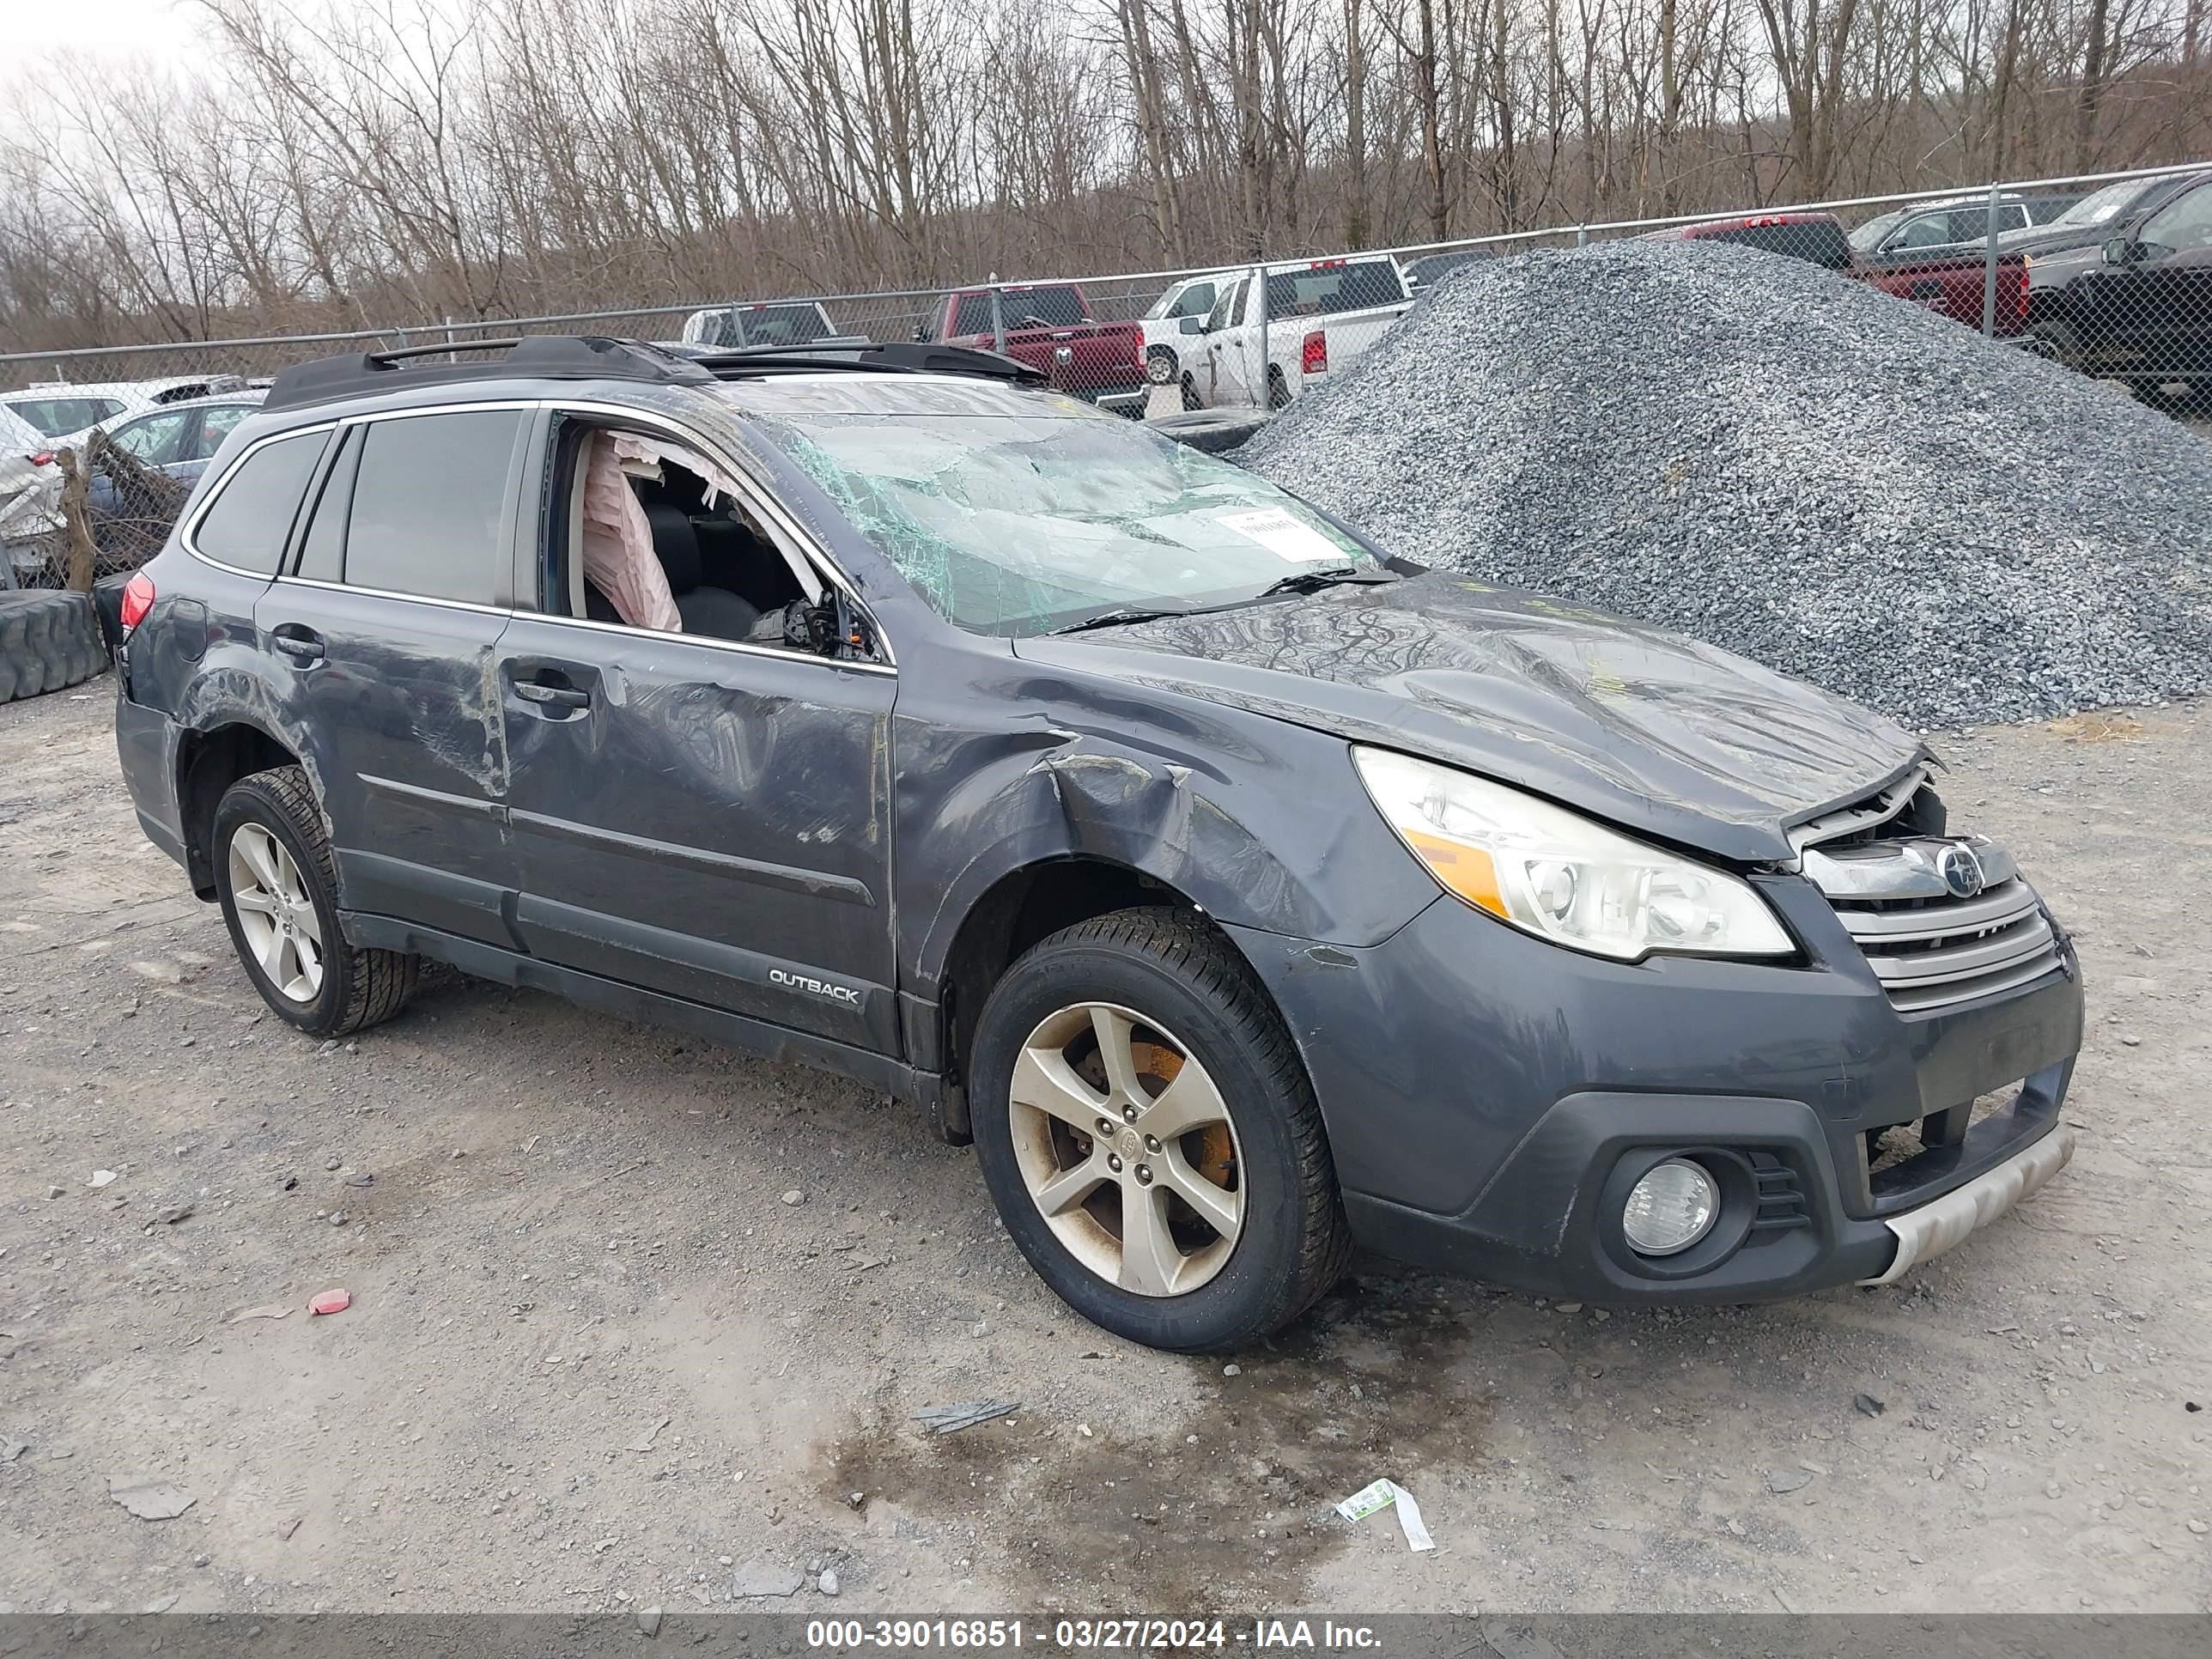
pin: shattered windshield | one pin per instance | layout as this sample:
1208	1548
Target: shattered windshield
1019	525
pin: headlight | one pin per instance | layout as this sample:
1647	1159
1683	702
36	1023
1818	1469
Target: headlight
1556	874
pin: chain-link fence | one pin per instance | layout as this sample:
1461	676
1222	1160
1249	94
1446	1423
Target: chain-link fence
106	508
2110	274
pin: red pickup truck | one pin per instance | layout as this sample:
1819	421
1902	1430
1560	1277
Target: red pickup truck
1048	325
1950	284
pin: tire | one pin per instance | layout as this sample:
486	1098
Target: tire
1186	996
49	639
1160	366
2058	340
1278	389
1190	398
356	988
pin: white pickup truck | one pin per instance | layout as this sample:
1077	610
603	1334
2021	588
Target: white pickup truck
1317	317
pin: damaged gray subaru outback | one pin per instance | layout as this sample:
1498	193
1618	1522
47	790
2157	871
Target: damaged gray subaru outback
1242	892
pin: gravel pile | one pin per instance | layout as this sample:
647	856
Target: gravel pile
1795	467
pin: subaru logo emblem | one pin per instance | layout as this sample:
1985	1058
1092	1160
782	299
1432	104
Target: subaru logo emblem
1961	871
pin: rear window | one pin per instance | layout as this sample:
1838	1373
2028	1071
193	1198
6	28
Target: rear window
1817	242
56	417
250	517
1022	307
757	326
781	325
429	502
1333	286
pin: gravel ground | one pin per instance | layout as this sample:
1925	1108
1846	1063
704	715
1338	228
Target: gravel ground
1800	469
595	1358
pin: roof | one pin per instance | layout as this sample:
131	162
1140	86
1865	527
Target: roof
570	357
145	391
245	394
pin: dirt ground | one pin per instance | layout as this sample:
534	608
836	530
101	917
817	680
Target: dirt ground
598	1358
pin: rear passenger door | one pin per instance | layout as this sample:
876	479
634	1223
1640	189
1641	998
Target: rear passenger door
383	634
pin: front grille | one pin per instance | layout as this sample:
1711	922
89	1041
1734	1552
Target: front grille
1931	953
1933	940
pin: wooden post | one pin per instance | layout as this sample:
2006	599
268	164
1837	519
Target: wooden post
76	516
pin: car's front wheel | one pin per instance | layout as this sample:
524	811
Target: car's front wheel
2058	340
1150	1137
277	883
1160	366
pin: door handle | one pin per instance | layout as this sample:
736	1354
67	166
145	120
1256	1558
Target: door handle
303	645
552	696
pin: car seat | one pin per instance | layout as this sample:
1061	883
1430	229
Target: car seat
714	612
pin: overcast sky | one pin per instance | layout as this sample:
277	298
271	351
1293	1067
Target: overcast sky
164	31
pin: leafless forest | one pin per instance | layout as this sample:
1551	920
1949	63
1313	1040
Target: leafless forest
400	161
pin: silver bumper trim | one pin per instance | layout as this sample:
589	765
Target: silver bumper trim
1935	1226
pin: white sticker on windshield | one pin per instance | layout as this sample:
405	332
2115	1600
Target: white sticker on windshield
1285	537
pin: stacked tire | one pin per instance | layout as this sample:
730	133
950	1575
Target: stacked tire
48	640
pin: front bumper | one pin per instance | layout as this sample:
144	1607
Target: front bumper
1491	1097
1129	402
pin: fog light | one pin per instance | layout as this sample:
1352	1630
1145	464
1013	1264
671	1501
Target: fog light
1671	1208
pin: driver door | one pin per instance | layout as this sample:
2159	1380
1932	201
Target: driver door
2165	321
1227	370
704	817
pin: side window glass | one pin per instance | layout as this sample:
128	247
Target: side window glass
2186	223
1228	306
1196	300
1929	230
154	441
322	554
974	316
215	425
429	498
250	517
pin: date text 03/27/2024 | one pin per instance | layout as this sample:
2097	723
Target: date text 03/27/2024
1087	1635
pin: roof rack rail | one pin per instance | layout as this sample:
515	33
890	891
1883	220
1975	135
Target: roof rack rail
529	356
885	357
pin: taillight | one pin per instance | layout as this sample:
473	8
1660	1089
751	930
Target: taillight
138	600
1313	356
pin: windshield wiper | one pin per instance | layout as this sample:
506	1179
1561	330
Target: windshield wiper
1118	619
1312	582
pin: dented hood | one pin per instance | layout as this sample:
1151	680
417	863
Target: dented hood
1655	733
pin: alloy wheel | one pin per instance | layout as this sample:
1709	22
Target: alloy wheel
1128	1149
276	916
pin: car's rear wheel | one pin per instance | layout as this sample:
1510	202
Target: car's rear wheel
277	883
1150	1137
1278	389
